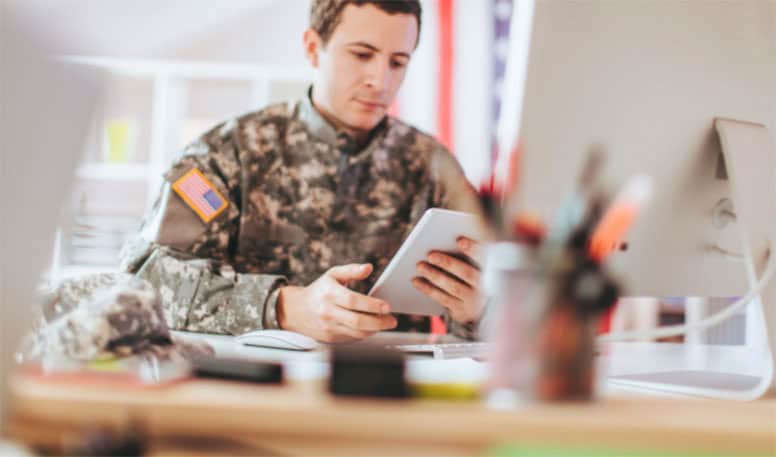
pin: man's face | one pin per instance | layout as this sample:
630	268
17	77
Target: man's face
362	66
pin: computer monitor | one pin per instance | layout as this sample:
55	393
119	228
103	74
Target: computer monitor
647	80
46	108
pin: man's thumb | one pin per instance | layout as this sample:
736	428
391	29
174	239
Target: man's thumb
352	272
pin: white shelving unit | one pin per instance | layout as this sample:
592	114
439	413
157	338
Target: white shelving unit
115	171
169	102
117	192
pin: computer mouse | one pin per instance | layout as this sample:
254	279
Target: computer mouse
278	339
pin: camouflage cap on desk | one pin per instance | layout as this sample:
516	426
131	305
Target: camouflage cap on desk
104	315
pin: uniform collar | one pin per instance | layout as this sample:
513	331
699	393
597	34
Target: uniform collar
324	130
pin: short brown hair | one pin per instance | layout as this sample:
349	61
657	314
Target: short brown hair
325	15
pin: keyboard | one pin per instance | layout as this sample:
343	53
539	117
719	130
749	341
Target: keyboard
473	349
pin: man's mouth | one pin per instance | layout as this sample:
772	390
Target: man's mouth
372	106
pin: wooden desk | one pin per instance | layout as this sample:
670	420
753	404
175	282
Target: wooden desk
301	420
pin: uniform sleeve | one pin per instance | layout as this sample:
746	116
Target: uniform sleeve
184	245
452	190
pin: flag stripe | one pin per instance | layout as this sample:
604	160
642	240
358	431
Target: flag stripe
445	99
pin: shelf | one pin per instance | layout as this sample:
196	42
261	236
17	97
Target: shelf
193	69
76	271
114	171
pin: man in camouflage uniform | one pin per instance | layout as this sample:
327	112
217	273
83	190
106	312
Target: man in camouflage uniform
283	218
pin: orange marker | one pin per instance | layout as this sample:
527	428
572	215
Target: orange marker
619	218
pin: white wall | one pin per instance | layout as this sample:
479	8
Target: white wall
271	34
133	29
473	69
418	96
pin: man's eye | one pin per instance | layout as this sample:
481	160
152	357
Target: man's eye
398	64
362	55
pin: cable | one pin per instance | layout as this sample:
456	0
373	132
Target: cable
711	321
730	255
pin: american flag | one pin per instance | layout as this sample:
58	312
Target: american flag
200	194
502	15
453	88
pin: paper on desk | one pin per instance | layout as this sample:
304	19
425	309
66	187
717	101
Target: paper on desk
463	370
306	370
419	371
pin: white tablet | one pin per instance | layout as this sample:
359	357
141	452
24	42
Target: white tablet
437	230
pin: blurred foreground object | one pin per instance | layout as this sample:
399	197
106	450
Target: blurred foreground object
548	293
366	370
45	108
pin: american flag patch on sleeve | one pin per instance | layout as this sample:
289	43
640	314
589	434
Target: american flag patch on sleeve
200	194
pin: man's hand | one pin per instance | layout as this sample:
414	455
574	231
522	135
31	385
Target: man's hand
453	282
330	312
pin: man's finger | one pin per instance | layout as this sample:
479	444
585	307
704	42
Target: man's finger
453	304
444	281
469	247
456	267
362	321
351	272
355	301
352	334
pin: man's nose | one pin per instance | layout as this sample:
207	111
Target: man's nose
378	75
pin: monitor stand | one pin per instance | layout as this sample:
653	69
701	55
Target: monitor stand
740	372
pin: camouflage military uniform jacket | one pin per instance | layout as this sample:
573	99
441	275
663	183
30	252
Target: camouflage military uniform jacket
301	198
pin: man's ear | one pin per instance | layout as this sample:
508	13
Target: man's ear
312	45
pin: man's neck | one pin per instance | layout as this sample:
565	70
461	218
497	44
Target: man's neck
360	136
